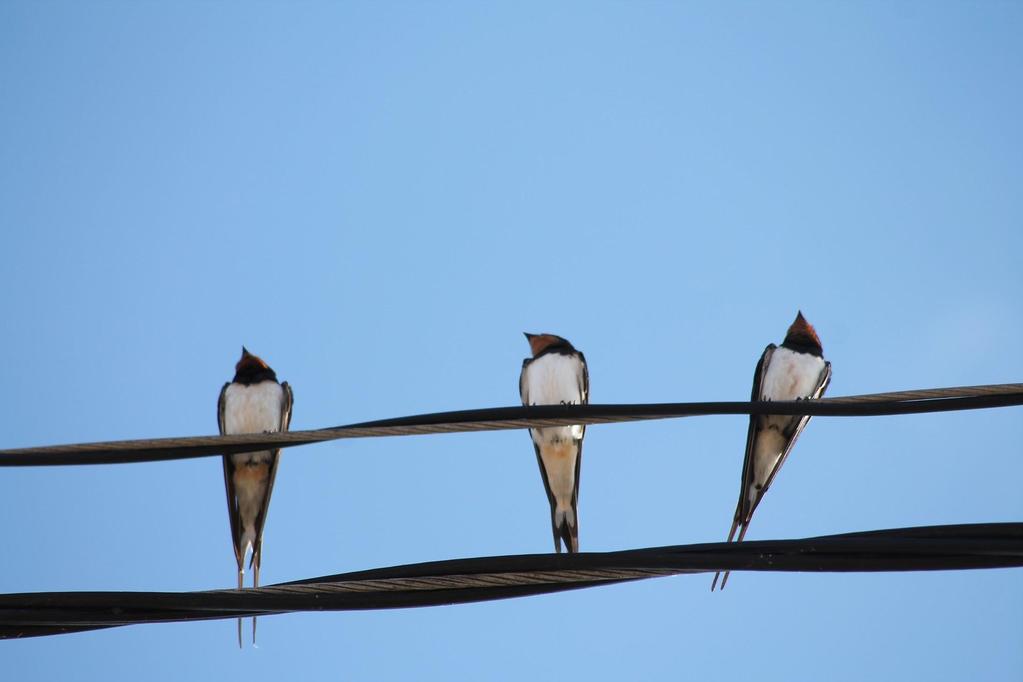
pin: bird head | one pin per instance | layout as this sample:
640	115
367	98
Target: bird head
250	362
802	333
538	343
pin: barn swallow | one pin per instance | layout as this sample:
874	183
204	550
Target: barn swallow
253	402
795	371
557	375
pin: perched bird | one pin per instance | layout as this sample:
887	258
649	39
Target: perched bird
253	402
557	375
795	371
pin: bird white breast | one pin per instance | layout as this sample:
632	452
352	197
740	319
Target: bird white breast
254	408
791	375
554	379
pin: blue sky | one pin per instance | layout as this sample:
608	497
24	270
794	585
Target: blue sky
379	198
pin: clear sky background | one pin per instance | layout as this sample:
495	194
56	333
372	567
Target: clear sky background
380	198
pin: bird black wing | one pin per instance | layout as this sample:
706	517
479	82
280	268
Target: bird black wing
744	509
584	399
584	393
522	382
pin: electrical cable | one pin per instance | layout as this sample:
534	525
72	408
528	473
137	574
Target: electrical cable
501	418
458	581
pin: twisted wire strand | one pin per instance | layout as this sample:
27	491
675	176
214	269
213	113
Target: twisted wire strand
973	546
925	393
502	418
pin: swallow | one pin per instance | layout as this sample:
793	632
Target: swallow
794	371
252	402
556	374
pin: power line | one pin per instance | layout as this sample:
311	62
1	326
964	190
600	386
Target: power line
500	418
957	547
489	578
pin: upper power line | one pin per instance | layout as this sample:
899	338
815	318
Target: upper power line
502	418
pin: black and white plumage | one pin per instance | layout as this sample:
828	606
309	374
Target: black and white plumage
794	371
556	374
253	402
